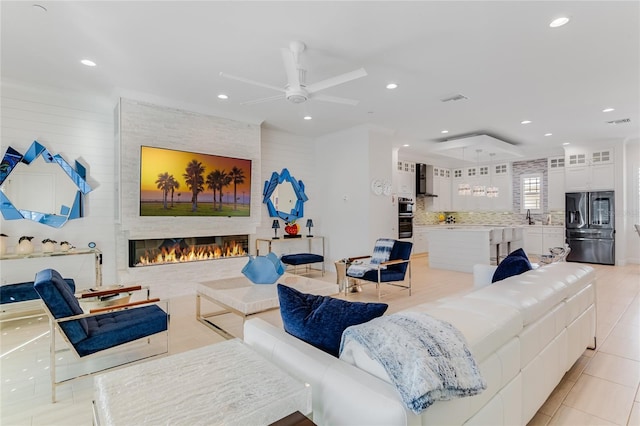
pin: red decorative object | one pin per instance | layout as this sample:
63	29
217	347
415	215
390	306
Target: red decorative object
292	228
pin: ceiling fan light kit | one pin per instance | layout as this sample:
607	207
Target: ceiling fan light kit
296	90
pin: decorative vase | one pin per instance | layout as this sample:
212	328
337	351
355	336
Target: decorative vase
48	247
25	246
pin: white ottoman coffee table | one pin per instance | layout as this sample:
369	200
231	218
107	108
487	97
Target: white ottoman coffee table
240	296
225	383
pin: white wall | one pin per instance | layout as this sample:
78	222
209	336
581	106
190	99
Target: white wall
79	126
631	206
153	125
352	216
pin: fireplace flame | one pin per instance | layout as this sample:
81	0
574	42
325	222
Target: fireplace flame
190	254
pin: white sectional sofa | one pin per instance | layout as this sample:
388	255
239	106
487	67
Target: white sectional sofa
525	332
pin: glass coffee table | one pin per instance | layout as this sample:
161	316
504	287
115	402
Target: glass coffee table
240	296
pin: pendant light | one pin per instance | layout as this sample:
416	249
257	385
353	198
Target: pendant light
492	191
478	190
464	188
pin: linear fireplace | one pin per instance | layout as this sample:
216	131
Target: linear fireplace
160	251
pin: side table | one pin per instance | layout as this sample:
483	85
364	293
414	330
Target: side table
346	283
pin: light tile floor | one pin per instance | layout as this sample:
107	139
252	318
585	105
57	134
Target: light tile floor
600	389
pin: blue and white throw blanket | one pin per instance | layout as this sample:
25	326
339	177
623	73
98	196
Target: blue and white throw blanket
381	253
426	359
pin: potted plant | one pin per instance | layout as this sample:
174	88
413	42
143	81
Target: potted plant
24	245
48	245
65	246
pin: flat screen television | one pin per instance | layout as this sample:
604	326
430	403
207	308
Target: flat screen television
181	183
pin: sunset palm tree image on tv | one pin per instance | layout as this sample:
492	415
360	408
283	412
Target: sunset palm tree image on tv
181	183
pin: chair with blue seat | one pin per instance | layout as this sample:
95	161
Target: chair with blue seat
102	329
390	264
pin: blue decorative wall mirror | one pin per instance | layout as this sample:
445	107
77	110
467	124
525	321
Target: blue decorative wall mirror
41	187
284	196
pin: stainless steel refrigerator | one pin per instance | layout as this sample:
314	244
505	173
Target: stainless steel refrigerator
590	227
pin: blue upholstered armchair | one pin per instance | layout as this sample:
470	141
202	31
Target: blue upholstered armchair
390	264
92	333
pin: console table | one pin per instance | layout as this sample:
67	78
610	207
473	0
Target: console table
83	265
221	384
313	254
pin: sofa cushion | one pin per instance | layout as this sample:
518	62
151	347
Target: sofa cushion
114	328
515	263
320	320
486	325
301	258
536	292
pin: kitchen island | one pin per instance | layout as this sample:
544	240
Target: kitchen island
458	248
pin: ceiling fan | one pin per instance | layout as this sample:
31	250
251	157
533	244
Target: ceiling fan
297	90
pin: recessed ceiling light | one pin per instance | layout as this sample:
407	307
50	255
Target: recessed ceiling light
392	86
525	122
444	131
88	62
307	117
558	22
548	134
406	144
566	143
223	96
608	109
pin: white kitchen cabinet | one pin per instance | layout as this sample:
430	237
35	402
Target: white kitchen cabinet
439	183
552	237
420	241
539	239
533	240
498	175
555	183
589	171
405	179
501	178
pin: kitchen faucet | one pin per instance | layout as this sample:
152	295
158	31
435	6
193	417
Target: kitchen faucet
528	217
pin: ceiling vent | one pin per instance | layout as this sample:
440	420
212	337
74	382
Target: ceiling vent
454	98
621	121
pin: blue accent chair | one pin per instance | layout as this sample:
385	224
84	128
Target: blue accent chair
92	333
20	300
392	272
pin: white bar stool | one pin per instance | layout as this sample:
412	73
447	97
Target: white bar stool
495	239
507	237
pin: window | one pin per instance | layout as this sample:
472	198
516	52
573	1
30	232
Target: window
531	190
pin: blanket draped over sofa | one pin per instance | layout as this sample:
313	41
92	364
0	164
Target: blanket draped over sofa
427	359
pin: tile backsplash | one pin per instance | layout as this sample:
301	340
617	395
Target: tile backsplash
423	217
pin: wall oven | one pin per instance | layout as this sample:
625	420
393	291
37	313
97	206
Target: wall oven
405	217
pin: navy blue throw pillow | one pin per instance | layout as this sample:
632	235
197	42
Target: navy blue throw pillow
515	264
320	320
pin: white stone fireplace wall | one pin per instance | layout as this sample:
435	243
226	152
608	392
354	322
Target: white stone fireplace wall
138	124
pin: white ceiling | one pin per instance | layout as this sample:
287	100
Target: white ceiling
501	55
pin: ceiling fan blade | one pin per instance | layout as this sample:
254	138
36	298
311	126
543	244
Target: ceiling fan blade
290	66
334	99
261	100
334	81
255	83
